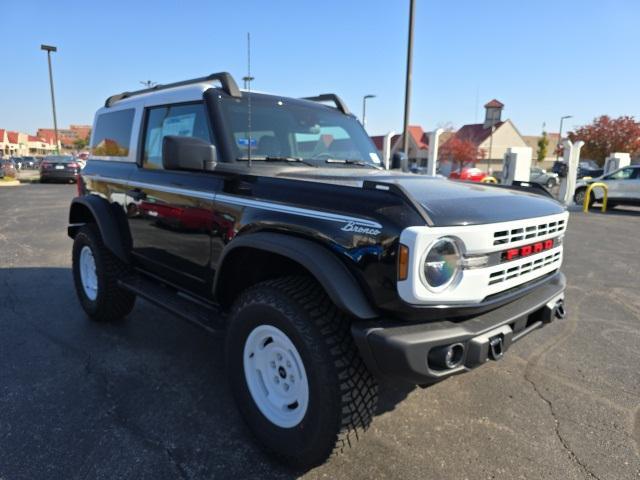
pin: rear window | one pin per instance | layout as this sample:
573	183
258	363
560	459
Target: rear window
113	134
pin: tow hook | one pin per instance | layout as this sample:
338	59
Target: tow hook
496	350
559	310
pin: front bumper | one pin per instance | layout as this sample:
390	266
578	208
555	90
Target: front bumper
406	351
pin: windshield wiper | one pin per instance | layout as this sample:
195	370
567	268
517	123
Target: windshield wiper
268	158
346	161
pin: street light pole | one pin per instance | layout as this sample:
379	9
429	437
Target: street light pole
560	136
364	109
407	87
493	129
49	49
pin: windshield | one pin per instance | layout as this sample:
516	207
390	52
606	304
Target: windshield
288	130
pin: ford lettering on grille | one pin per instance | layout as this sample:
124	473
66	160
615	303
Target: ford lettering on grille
526	250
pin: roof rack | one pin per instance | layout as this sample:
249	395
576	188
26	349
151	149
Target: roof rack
229	86
330	97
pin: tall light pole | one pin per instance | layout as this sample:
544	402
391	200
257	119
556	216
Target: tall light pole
560	136
364	109
493	129
49	49
148	83
407	86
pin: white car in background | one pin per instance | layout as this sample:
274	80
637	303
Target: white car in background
623	187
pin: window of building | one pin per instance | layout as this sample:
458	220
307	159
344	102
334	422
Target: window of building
186	120
113	133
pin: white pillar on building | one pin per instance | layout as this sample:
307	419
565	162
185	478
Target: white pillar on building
386	149
516	165
571	157
432	159
615	161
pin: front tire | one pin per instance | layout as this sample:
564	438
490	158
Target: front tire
295	372
578	197
96	272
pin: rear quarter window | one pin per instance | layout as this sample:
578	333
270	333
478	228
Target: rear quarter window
112	134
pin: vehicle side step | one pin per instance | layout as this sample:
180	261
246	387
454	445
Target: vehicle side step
182	305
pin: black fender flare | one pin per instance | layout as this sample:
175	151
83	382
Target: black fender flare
333	275
106	220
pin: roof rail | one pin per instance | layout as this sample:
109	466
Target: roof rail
330	97
229	85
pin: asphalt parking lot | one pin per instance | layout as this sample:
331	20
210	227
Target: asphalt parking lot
147	397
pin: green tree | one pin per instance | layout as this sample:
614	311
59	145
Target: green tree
543	144
80	143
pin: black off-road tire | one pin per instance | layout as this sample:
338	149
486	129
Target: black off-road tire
343	394
112	302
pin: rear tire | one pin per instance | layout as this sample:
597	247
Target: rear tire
96	272
339	396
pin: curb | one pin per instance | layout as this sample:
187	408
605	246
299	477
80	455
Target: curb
12	183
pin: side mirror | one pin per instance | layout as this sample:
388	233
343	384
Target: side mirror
399	160
187	153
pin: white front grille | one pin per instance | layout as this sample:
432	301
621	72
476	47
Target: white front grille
506	237
475	284
516	271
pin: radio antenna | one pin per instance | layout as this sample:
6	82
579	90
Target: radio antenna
247	86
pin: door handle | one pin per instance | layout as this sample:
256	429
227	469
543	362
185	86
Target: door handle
136	194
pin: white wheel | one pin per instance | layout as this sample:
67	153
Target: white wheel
88	276
275	376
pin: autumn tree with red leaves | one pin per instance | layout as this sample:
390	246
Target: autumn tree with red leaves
460	153
607	135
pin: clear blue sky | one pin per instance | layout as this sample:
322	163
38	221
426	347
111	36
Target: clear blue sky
542	58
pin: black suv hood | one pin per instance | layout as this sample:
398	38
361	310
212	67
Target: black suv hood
447	202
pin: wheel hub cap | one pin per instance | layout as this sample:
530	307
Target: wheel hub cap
88	276
276	376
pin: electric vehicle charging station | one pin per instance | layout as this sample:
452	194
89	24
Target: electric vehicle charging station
570	158
516	165
615	161
432	159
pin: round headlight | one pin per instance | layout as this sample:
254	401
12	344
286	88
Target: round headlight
441	264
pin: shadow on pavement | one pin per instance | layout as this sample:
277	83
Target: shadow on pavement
146	394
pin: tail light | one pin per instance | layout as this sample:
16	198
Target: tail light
45	165
79	185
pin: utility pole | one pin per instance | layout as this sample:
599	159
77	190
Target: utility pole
364	109
493	129
407	87
560	136
49	49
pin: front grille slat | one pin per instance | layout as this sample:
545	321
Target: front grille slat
506	237
500	276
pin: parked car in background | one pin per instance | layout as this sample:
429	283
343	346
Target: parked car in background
61	168
589	168
623	188
8	168
17	161
470	174
29	162
542	177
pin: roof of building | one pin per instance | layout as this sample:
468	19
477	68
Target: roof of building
474	132
420	138
494	104
2	134
12	137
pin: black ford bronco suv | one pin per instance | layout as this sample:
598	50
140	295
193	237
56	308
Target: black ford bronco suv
273	218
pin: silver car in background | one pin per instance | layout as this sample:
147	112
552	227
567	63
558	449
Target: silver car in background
623	187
